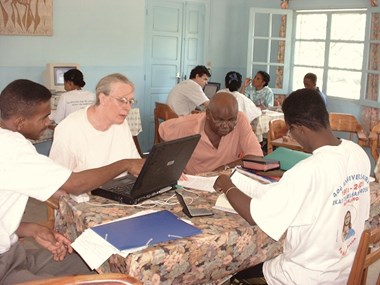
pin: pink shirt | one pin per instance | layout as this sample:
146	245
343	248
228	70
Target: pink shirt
206	157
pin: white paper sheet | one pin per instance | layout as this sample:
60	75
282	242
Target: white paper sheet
199	183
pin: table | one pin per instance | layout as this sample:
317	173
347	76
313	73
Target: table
261	124
227	245
292	144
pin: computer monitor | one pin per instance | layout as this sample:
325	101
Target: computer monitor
211	88
54	75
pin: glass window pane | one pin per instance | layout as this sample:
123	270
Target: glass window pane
277	29
346	55
309	53
277	53
375	26
311	26
354	32
261	26
373	87
299	73
374	56
260	50
344	84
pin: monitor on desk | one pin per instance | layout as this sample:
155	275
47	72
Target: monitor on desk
53	77
211	88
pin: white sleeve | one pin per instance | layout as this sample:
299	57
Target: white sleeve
61	109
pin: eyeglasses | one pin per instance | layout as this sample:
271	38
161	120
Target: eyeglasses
230	122
124	101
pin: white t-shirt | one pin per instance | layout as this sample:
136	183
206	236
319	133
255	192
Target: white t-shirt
23	173
245	105
310	204
72	101
185	96
78	146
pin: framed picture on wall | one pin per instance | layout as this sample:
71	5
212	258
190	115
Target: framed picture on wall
26	18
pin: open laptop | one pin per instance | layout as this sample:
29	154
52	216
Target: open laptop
211	88
160	173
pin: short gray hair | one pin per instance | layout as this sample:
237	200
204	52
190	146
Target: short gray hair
104	84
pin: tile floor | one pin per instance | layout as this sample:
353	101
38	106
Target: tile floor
36	212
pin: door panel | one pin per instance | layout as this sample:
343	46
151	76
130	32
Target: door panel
174	45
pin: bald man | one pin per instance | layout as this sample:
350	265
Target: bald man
226	135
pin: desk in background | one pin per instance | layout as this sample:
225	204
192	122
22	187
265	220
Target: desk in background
260	125
227	245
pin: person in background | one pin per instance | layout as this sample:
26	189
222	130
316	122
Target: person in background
258	91
75	98
98	134
310	201
188	95
310	82
233	82
226	135
24	111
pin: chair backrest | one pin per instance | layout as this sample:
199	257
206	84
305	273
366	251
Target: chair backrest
98	279
162	112
342	122
368	253
375	141
277	129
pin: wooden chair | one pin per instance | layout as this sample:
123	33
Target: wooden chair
277	129
99	279
52	205
162	112
366	255
347	123
374	141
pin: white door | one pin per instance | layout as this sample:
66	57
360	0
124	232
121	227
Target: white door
174	43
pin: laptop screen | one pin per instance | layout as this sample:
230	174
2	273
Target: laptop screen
211	88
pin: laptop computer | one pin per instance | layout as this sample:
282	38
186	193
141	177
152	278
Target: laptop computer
160	173
211	88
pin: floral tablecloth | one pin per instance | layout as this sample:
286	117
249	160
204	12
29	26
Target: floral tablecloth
261	124
227	244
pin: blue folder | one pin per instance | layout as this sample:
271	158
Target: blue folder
144	230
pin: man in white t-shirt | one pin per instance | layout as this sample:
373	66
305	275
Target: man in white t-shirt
24	111
99	134
320	205
75	98
187	95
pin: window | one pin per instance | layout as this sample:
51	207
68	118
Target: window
269	46
372	72
331	44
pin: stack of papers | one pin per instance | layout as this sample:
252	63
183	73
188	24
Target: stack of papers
199	183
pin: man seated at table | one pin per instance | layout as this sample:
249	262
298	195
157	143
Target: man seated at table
310	81
233	82
310	202
226	135
188	95
98	134
24	111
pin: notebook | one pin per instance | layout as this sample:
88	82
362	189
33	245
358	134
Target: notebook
287	157
160	173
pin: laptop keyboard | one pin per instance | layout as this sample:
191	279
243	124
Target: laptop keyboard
124	190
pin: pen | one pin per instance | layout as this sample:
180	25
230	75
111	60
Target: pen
148	242
106	236
174	236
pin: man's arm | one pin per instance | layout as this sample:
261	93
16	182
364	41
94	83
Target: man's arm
87	180
238	200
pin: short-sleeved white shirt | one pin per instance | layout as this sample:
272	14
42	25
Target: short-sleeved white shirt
185	96
309	204
72	101
78	146
23	173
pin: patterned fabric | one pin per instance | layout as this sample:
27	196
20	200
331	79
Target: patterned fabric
227	245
